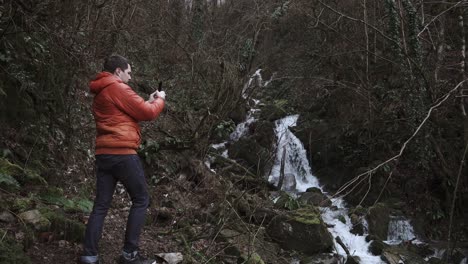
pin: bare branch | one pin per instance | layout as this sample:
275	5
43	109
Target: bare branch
443	12
369	172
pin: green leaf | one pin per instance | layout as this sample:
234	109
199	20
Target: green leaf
8	180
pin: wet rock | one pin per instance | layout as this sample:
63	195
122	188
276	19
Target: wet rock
358	227
264	133
378	220
400	254
256	157
263	216
289	183
272	112
322	259
302	230
423	250
434	260
7	217
376	247
353	260
454	256
314	196
35	218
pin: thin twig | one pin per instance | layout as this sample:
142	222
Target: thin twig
445	11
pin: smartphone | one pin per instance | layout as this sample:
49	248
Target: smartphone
160	86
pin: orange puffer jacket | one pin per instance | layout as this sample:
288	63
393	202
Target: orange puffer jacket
117	109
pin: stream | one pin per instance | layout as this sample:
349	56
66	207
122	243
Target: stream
298	178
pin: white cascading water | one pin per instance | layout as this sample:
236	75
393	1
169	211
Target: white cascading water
298	176
296	169
297	165
399	230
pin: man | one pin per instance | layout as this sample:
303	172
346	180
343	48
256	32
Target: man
117	109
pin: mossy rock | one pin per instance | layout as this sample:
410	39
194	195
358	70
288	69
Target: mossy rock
395	254
70	230
301	230
308	215
358	227
12	252
22	204
314	196
378	220
254	156
13	175
36	219
376	247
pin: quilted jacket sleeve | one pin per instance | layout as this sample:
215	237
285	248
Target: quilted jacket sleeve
132	104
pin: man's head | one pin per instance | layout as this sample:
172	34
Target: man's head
118	66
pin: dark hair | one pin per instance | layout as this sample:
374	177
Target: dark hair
115	61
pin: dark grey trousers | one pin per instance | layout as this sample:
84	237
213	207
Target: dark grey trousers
128	170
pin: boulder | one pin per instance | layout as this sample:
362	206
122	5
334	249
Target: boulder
400	254
254	156
264	133
302	230
378	220
289	182
315	197
422	249
376	247
7	217
241	246
358	227
454	256
35	218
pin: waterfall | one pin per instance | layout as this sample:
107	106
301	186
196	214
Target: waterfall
298	175
399	230
297	170
296	167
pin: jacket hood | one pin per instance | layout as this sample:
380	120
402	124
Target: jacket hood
102	80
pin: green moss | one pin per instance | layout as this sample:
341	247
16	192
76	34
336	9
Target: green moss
55	196
22	204
307	215
9	168
70	229
286	201
12	252
358	210
9	171
342	219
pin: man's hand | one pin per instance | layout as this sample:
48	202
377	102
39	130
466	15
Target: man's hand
161	94
157	94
